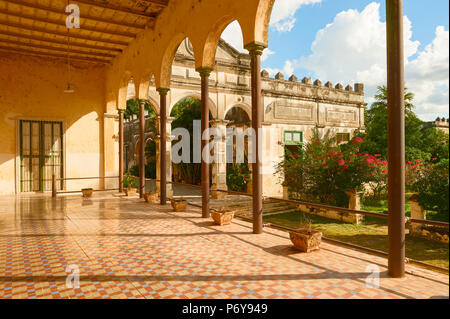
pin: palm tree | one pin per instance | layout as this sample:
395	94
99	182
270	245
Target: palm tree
381	99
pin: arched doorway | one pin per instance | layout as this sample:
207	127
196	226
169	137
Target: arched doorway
238	172
183	114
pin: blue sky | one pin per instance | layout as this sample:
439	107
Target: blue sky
344	41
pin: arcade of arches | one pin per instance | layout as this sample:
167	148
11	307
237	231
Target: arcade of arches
65	116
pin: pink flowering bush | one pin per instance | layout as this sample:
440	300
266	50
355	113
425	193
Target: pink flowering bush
324	172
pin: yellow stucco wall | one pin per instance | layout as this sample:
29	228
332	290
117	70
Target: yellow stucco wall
32	87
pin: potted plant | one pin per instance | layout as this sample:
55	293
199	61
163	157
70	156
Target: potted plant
130	185
151	197
305	238
87	192
222	217
179	205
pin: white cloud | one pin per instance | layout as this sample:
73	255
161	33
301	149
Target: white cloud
282	20
283	13
266	54
428	76
288	70
233	35
353	49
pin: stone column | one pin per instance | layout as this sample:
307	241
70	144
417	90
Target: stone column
163	145
417	212
354	203
204	74
141	148
169	186
121	142
255	50
219	166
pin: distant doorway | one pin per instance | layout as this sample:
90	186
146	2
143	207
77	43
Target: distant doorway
41	156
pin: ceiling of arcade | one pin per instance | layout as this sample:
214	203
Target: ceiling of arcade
107	27
131	38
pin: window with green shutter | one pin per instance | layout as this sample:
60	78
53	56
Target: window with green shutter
293	137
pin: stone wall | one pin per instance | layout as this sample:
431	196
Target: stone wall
288	104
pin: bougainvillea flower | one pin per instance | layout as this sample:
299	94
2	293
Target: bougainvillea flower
345	167
341	162
383	171
357	140
377	155
434	159
325	164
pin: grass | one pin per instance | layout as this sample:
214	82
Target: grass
371	234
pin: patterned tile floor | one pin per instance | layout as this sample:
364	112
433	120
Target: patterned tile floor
125	248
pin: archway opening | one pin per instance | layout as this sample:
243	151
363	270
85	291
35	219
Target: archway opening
239	171
184	113
132	140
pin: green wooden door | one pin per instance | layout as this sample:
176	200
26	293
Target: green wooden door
41	155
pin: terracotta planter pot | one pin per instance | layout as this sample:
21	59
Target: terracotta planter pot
179	205
151	197
306	241
87	192
130	191
222	218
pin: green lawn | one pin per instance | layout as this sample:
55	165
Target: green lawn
371	234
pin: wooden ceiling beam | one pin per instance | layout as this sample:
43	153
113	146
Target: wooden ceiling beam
118	9
62	42
62	24
83	16
62	33
51	48
62	56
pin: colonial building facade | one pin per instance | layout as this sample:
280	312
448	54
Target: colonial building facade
291	109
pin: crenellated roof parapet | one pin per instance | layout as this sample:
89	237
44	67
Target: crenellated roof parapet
307	89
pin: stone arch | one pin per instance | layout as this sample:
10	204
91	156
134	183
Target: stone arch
165	65
256	30
123	90
154	104
212	40
244	106
196	95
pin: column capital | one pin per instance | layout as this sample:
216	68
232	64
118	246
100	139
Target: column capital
120	111
255	48
204	70
163	91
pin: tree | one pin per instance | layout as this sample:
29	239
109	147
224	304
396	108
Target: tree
325	172
417	145
133	108
185	112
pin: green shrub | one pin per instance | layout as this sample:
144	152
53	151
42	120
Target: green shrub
324	172
432	187
130	181
238	176
150	170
